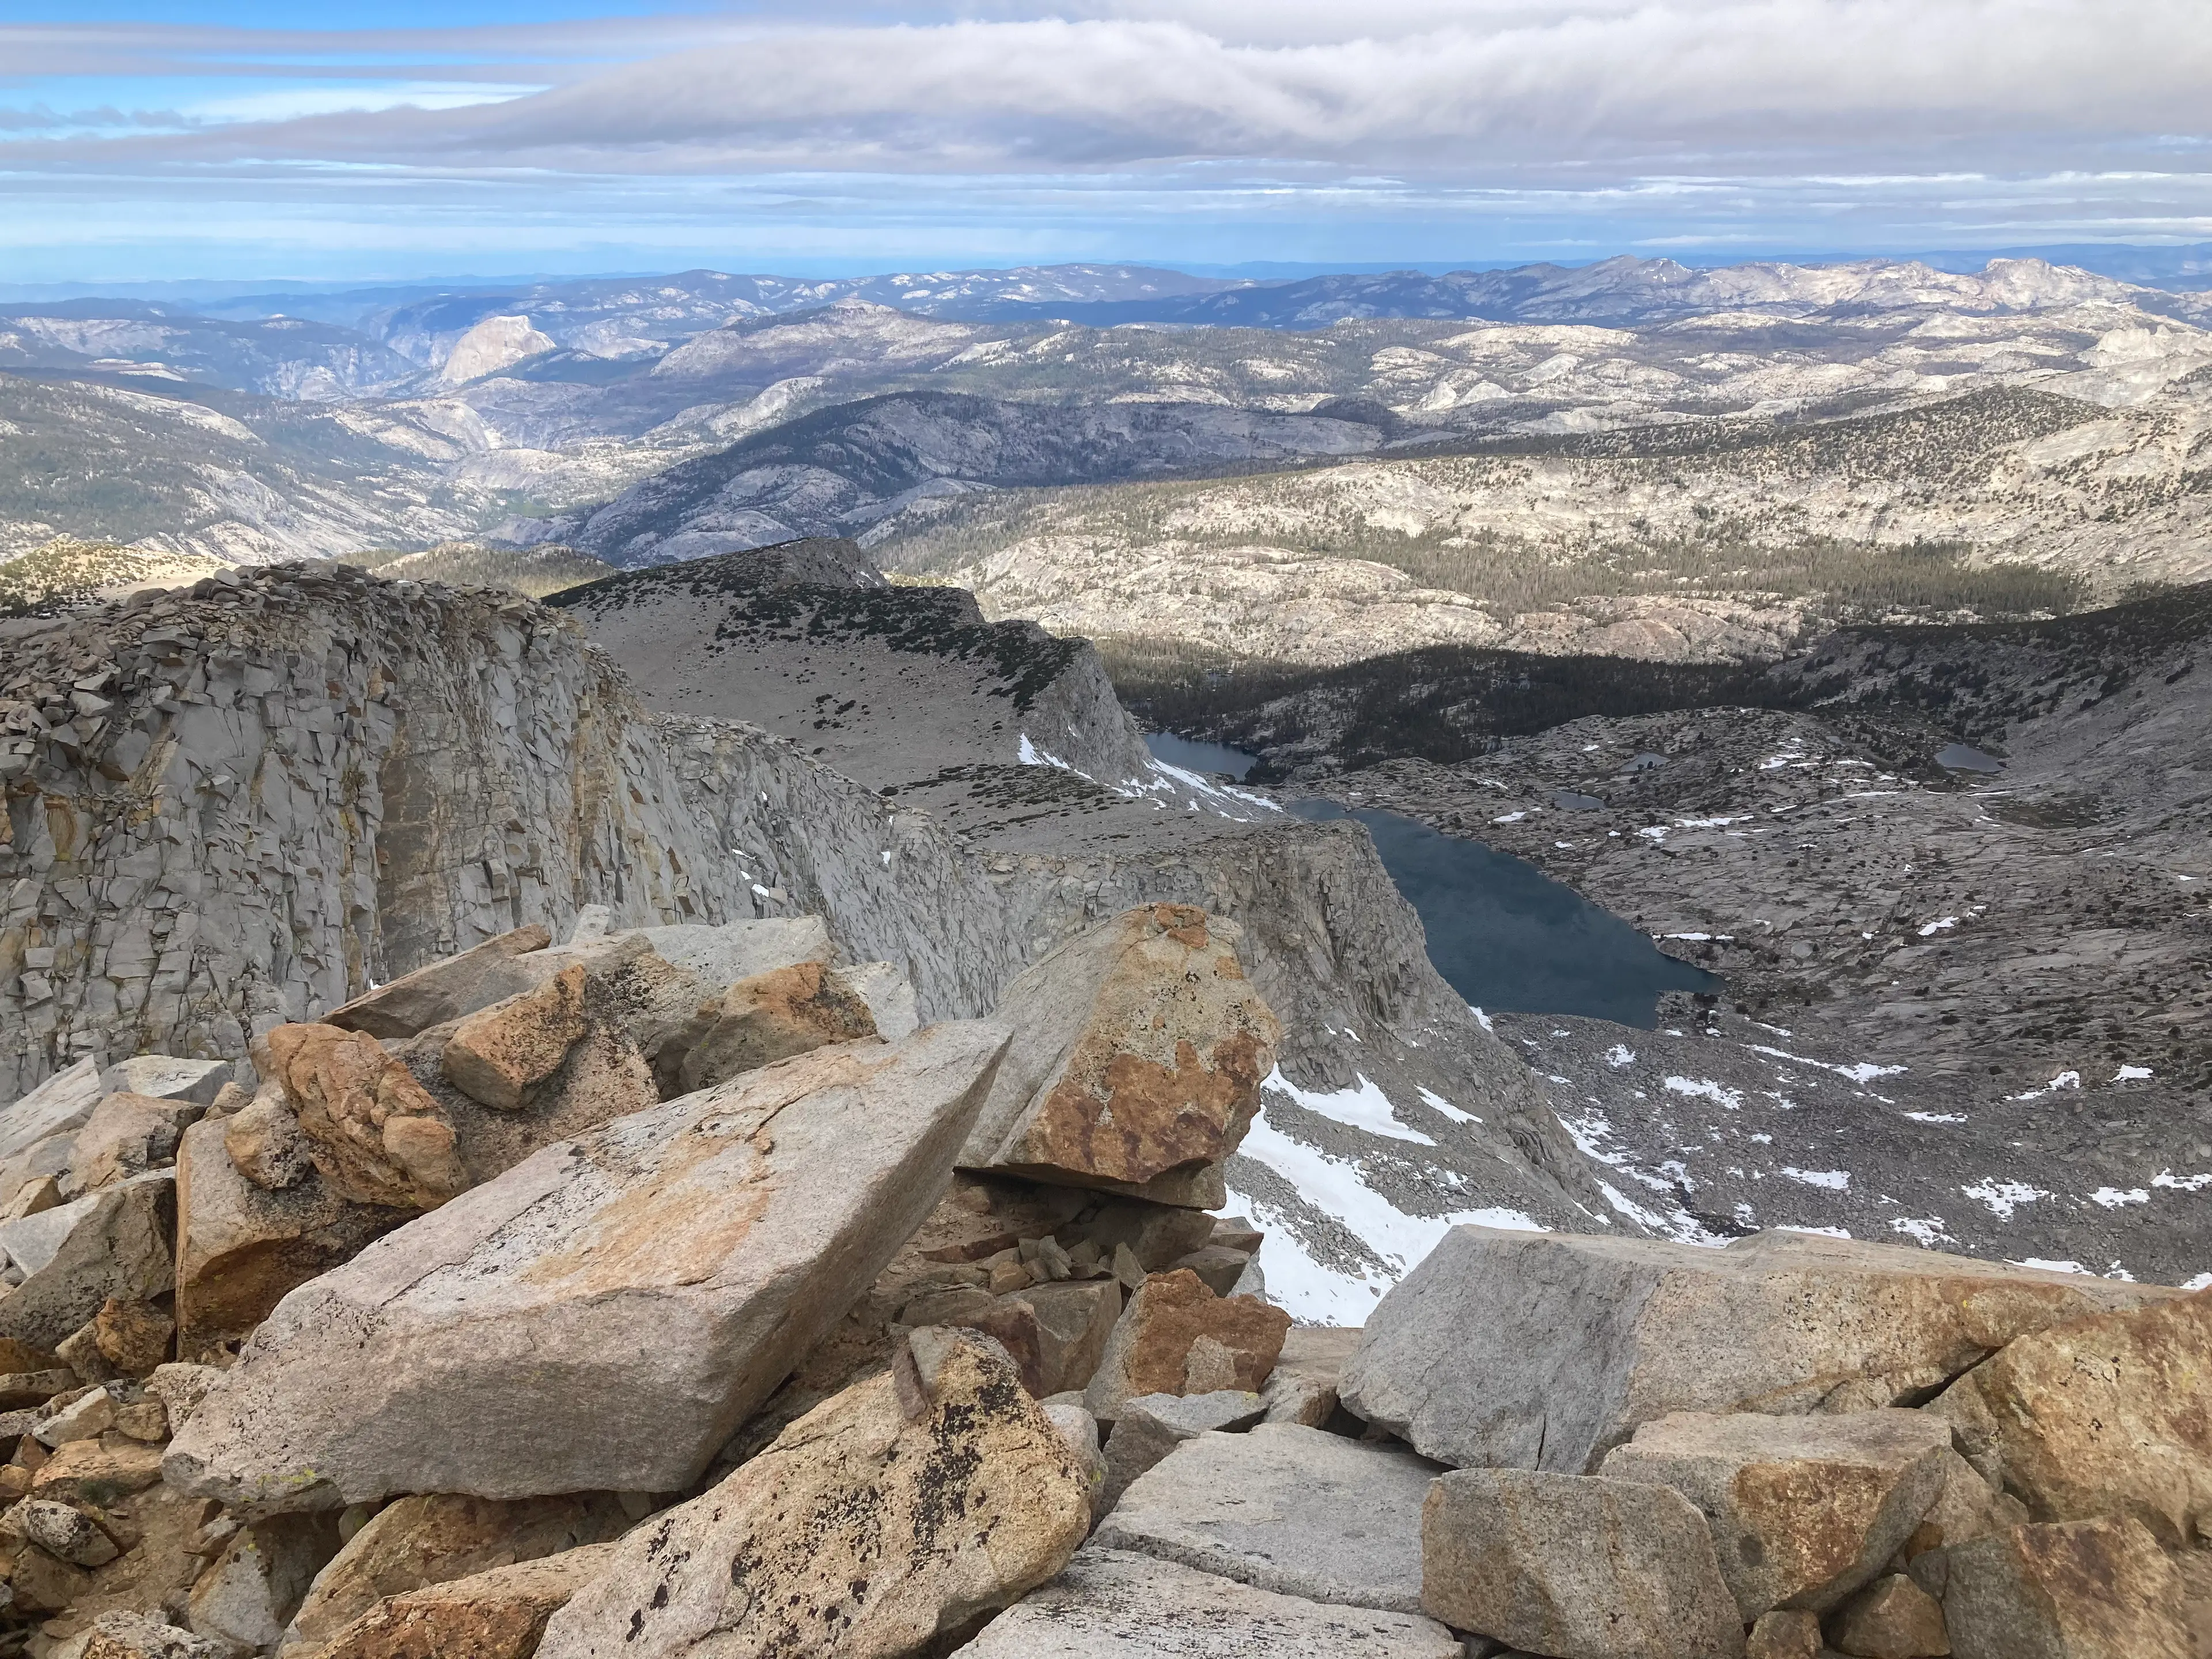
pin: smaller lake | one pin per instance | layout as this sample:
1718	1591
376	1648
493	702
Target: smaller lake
1510	938
1957	757
1195	756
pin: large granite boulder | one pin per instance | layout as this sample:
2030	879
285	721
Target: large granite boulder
1803	1510
1576	1566
2100	1416
1137	1054
1287	1509
893	1515
1109	1604
1547	1349
602	1316
2075	1590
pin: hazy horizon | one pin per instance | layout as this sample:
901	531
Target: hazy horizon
210	139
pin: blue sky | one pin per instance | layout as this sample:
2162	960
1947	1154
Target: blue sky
160	139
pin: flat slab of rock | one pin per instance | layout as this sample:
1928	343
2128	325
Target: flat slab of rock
1803	1510
59	1104
1288	1509
892	1515
1151	1425
444	989
1138	1052
2102	1416
1112	1604
678	1262
1547	1350
1577	1565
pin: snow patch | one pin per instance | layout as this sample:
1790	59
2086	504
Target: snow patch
1937	1117
1706	1089
2111	1198
1864	1072
1835	1180
2002	1198
2063	1080
1314	1292
2194	1184
2132	1074
1362	1106
1928	1231
1930	929
1438	1102
1619	1055
1825	1232
2055	1266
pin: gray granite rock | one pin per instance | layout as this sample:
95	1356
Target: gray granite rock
1576	1566
1151	1425
604	1314
1109	1604
1285	1508
1545	1351
61	1103
164	1076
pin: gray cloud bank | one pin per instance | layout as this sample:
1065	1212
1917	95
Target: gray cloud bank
1433	89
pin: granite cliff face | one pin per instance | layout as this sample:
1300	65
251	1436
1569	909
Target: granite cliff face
243	804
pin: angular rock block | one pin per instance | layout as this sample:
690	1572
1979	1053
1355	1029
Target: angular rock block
373	1131
2100	1416
165	1077
1785	1633
1287	1509
498	1055
113	1243
445	989
1547	1350
2075	1590
679	1260
1137	1054
1055	1334
256	1584
499	1614
134	1636
768	1017
894	1514
126	1135
1177	1337
1302	1387
242	1248
1111	1605
1803	1510
1576	1566
1892	1618
416	1542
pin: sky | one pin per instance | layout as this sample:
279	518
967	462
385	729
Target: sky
155	140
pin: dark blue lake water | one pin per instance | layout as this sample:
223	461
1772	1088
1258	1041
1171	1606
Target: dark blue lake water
1502	934
1195	757
1510	938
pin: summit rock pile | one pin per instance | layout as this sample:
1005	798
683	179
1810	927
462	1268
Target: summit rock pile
523	1307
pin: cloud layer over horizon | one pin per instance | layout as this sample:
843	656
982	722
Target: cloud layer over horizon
1214	131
